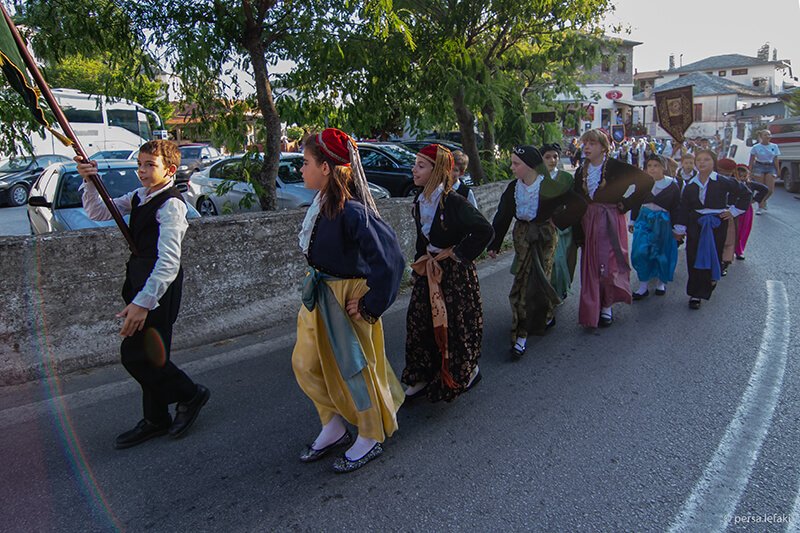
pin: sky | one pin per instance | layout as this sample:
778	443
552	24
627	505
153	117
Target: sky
702	28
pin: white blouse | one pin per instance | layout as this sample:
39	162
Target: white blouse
527	199
593	177
308	223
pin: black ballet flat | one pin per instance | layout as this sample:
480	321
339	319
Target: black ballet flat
517	352
419	394
694	303
636	296
740	257
309	454
661	292
551	323
477	379
343	465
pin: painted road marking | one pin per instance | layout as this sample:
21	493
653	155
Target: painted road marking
712	502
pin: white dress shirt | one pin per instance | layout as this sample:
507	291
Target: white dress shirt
308	223
427	212
172	225
527	198
593	177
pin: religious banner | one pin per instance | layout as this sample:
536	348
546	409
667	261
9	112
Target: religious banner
675	111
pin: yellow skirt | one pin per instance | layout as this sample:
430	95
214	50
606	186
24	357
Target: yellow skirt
317	371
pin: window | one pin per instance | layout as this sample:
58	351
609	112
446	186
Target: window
698	112
124	118
118	182
231	170
622	63
86	116
710	73
739	72
288	173
605	64
370	158
723	73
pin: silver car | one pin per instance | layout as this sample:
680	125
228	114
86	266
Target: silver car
223	187
55	201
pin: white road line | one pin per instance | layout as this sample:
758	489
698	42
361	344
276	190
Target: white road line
712	502
25	413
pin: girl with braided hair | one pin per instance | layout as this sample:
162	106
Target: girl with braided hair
355	269
445	317
602	233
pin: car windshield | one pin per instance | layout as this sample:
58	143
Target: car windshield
405	156
111	154
192	152
14	165
118	181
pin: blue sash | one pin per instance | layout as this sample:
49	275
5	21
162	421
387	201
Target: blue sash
707	257
346	349
654	253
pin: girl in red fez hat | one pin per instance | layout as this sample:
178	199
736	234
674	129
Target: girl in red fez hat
355	269
603	232
445	317
533	200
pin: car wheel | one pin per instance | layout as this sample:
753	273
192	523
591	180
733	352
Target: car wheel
18	195
206	207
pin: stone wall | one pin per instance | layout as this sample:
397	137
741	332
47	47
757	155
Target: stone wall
60	292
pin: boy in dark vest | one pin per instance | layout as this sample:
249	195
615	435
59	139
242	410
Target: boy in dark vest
461	162
152	292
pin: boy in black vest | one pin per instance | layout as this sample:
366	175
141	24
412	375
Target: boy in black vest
152	292
461	161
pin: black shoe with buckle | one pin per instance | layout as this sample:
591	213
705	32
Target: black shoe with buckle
186	412
605	320
144	431
310	454
343	465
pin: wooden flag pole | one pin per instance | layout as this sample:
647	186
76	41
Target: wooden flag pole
67	127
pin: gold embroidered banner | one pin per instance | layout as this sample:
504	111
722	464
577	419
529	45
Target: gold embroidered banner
675	111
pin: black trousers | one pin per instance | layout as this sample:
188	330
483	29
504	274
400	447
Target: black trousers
700	284
146	355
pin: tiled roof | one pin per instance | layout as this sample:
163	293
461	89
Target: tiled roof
724	61
705	85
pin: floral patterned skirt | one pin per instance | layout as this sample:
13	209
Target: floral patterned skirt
462	296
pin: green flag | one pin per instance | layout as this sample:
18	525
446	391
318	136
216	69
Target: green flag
16	73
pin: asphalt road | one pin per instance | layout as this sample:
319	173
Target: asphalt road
14	221
671	418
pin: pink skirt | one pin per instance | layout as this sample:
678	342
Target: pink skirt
745	224
605	267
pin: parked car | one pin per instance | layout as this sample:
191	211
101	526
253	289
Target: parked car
18	174
786	134
416	146
195	157
114	154
389	165
240	194
55	201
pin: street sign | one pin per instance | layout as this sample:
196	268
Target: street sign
614	95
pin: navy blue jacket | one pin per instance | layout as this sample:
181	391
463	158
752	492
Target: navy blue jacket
348	247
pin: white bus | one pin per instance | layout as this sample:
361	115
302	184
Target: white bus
100	124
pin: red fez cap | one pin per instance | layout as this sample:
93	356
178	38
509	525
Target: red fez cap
429	153
726	165
334	144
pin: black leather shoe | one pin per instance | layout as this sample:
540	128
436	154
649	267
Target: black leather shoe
550	323
740	257
661	292
186	412
144	430
694	303
605	321
343	465
477	379
309	454
636	296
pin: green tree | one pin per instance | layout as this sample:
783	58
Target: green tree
205	43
